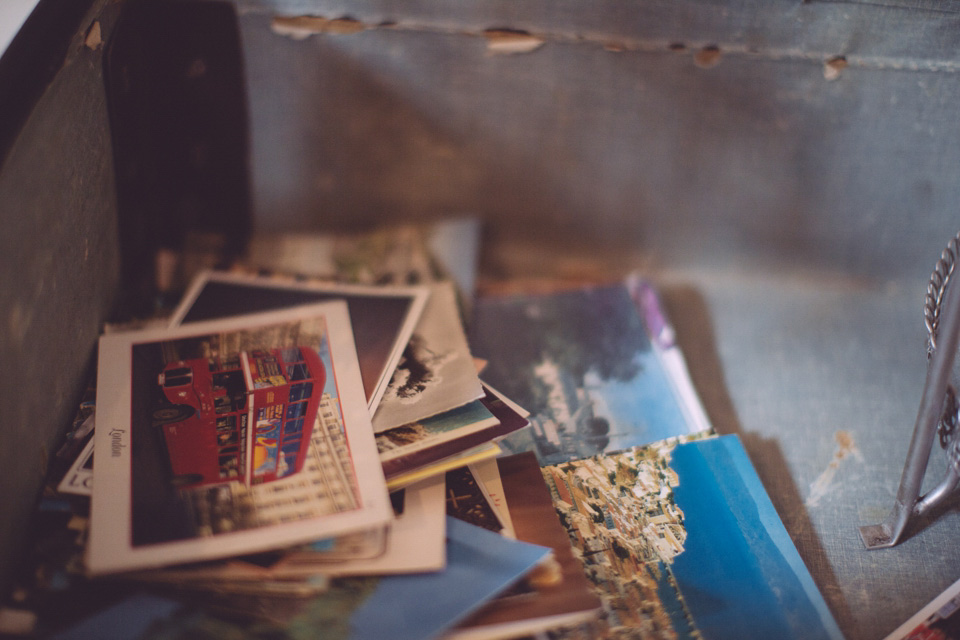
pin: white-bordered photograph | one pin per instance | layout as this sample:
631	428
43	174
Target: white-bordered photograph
232	436
383	318
79	478
437	372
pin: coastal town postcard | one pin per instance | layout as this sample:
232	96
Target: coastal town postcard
671	523
232	436
681	541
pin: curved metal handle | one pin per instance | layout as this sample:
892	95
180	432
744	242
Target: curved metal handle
908	503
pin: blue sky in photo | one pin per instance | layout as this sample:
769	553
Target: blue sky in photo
644	410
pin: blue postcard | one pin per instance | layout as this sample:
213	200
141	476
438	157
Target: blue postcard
481	564
681	540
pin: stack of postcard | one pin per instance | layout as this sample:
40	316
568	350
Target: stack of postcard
331	451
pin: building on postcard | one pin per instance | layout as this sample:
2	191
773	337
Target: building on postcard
622	520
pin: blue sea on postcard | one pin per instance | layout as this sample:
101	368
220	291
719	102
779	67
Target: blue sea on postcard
582	363
739	573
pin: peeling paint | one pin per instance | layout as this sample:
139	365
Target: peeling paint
93	39
302	27
707	57
507	41
833	67
823	485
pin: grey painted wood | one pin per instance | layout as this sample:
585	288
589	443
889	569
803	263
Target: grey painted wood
58	275
756	157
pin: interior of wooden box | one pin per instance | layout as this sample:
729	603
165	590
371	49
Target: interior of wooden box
784	171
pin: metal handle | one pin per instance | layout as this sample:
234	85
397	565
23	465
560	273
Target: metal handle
943	322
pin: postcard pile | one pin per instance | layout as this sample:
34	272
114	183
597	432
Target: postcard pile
331	451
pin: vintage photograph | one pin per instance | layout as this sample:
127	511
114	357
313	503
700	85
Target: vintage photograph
437	371
420	443
231	436
382	318
582	363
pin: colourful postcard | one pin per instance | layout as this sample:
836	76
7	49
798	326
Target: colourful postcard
681	540
583	364
415	445
939	620
556	595
382	318
233	436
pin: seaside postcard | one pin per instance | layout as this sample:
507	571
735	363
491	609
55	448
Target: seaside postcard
681	541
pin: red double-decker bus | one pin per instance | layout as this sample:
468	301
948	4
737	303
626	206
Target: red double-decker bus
246	417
